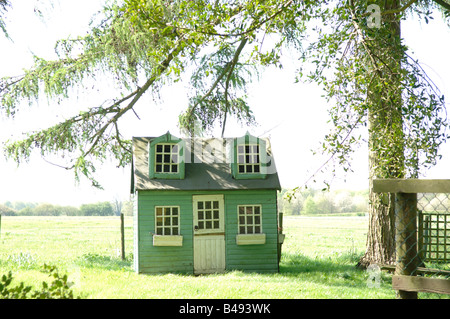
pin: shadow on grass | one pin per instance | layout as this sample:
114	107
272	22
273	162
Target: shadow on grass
336	271
298	264
91	260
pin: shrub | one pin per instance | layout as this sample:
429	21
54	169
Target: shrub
57	289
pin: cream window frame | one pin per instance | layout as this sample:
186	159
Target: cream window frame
171	154
248	158
246	220
167	221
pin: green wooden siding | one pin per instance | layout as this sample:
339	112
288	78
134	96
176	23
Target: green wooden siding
258	258
156	259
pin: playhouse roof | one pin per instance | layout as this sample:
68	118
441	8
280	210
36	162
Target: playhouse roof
204	174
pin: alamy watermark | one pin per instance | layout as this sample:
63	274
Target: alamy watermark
374	18
374	278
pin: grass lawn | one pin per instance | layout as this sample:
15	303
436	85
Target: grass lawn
319	255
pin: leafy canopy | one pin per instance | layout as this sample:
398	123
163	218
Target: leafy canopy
143	45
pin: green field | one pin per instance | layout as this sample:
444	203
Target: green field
319	255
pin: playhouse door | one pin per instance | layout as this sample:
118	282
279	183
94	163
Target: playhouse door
209	234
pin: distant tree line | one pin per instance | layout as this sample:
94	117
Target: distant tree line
19	208
312	202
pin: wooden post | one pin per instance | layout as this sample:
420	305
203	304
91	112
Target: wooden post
280	235
406	239
122	235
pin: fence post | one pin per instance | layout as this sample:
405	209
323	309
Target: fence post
406	239
122	235
280	232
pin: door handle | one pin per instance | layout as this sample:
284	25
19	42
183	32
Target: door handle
196	227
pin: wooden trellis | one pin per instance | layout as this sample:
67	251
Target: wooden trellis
434	237
416	241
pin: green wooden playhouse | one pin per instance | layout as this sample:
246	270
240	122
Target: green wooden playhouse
204	205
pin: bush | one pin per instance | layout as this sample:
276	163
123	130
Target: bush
7	211
57	289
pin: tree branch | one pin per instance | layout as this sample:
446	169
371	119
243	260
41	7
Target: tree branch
443	4
232	66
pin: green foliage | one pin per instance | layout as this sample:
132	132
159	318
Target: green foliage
367	74
97	209
373	83
7	211
57	289
142	45
4	4
46	209
312	201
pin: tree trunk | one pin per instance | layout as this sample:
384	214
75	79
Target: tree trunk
386	152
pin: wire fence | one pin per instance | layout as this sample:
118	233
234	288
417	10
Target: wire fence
422	238
434	229
423	231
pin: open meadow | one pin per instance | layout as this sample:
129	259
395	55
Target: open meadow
318	261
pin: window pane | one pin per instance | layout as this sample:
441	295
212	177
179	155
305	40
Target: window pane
216	214
241	220
257	229
257	209
201	225
249	210
158	211
167	221
249	168
174	168
241	230
175	221
249	229
241	169
208	205
175	231
256	169
175	149
249	220
159	148
158	168
200	215
241	209
166	168
167	231
159	231
167	148
200	205
240	149
208	215
208	225
175	211
257	220
174	159
166	158
158	158
215	204
216	225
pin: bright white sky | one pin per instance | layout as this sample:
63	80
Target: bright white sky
286	112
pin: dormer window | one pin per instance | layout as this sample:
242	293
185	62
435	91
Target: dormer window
166	157
250	158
